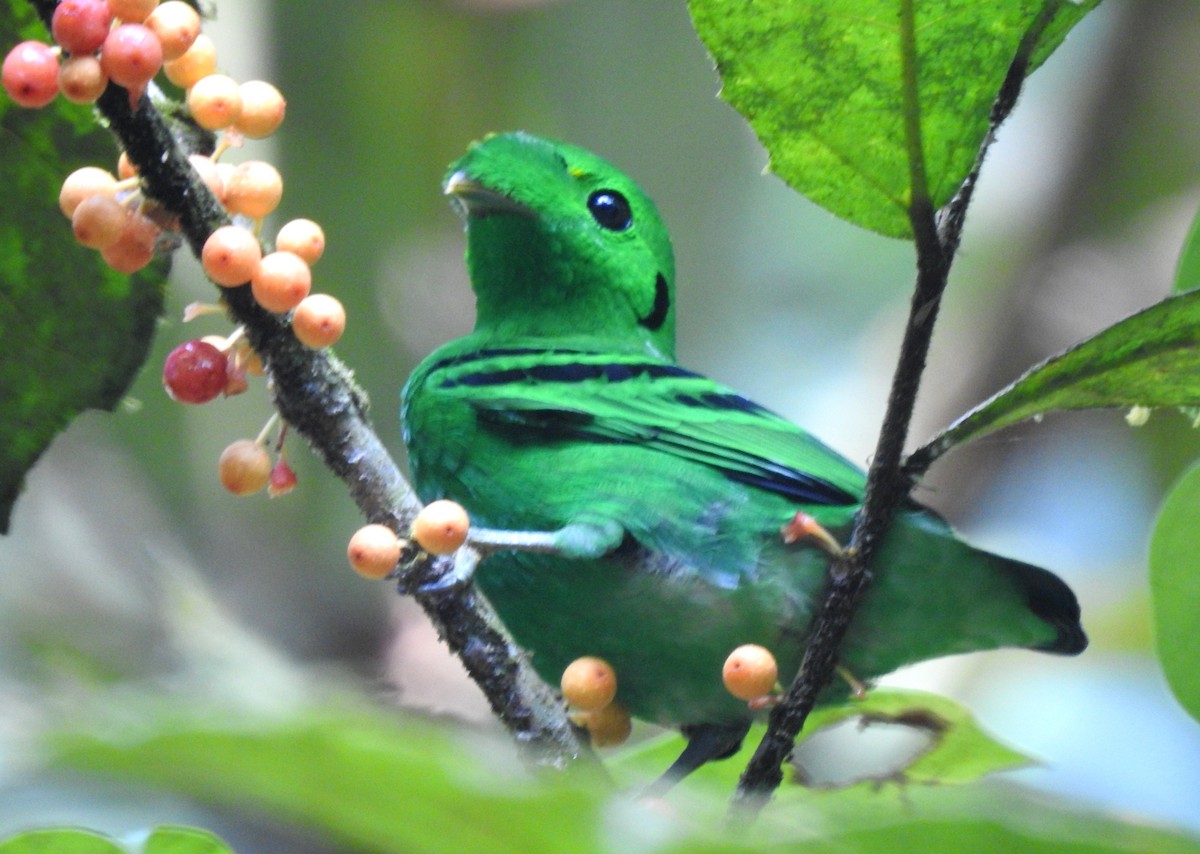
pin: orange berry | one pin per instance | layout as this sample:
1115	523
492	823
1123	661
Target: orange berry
134	249
304	237
254	188
198	61
230	256
441	527
281	281
609	726
125	168
244	467
215	101
176	24
263	108
319	321
374	551
99	221
134	11
83	183
81	79
589	683
750	672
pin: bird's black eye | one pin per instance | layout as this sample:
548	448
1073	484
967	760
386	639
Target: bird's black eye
610	209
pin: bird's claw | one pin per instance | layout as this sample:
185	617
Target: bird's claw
803	526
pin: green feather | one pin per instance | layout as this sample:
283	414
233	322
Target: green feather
564	411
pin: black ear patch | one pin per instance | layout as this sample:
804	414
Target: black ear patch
662	304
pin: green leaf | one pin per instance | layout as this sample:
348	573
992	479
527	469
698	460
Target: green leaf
1175	589
65	840
172	839
1187	272
821	84
75	332
1149	359
370	782
960	752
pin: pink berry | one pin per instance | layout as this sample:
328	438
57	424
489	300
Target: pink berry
30	74
195	372
81	26
131	56
81	79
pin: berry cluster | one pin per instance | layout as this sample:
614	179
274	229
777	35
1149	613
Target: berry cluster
589	685
440	528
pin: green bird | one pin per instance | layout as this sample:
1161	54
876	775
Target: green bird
664	492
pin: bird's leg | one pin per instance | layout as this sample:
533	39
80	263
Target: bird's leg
706	742
585	539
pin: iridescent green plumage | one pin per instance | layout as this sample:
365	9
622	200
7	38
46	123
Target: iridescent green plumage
564	411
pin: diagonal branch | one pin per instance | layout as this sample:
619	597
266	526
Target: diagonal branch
936	236
315	392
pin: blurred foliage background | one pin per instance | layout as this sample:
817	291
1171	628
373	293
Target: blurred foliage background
129	565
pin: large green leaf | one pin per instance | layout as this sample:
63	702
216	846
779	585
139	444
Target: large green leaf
74	332
375	783
821	83
166	839
1175	589
1149	359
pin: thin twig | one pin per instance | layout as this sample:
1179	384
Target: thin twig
936	239
315	393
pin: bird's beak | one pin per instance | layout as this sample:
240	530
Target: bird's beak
471	198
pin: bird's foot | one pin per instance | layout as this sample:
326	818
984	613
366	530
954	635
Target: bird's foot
858	688
803	526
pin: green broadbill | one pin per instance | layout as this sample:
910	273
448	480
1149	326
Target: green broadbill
564	411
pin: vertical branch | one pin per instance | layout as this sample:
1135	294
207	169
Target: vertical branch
888	482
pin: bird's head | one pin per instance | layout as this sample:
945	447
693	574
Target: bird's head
562	245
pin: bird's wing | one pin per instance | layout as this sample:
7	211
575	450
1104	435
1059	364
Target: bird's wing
566	395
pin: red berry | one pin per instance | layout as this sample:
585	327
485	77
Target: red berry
195	372
81	26
282	479
30	74
131	56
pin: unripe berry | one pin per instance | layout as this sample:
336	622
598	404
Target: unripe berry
125	167
99	221
134	249
81	26
81	79
589	683
195	372
197	62
230	256
750	672
83	182
30	74
244	467
441	527
319	321
282	479
177	25
281	281
609	726
254	189
132	11
374	551
304	237
215	101
263	109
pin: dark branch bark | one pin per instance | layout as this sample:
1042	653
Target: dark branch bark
316	394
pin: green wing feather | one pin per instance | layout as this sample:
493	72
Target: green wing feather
539	395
